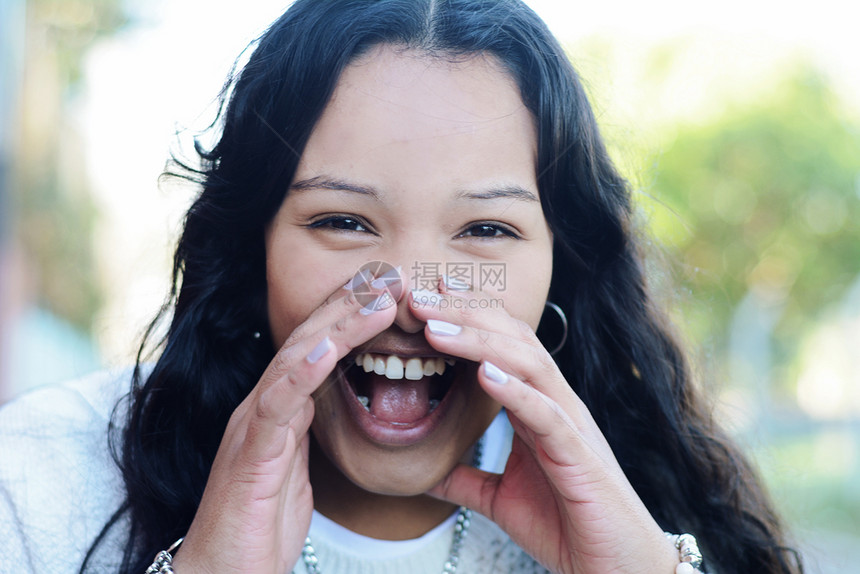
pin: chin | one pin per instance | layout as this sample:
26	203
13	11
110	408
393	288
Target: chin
403	481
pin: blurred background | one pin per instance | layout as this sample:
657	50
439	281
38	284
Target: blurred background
738	127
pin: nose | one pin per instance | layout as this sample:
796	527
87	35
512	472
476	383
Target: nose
380	275
398	276
414	276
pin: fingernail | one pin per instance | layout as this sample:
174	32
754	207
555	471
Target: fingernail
494	373
383	301
443	328
357	280
319	351
454	284
424	297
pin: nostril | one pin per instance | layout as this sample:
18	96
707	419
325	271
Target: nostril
406	320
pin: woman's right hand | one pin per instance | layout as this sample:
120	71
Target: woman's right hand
257	505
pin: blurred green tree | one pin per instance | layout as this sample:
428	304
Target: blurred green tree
766	199
54	212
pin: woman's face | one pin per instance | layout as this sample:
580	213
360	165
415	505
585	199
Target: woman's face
428	165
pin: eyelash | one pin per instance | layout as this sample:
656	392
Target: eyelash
499	230
331	221
338	222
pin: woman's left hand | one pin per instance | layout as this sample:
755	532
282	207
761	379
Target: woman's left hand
562	497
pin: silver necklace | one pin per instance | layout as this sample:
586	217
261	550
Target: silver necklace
461	528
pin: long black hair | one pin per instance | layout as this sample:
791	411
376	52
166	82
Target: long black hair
620	357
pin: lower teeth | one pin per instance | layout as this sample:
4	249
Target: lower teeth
433	404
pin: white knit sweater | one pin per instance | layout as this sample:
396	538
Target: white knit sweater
59	486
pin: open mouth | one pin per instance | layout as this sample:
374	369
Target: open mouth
400	390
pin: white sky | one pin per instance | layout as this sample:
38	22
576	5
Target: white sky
145	83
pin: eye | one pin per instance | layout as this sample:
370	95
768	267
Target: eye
341	223
486	230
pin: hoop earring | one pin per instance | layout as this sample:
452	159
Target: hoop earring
563	319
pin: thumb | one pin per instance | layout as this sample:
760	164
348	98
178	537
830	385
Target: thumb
470	487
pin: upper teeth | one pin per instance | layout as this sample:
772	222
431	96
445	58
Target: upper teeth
393	367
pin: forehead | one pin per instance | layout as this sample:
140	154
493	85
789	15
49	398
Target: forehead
403	104
452	91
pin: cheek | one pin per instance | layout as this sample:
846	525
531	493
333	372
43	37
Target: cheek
287	301
298	284
527	287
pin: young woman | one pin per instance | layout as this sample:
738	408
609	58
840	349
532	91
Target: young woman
320	395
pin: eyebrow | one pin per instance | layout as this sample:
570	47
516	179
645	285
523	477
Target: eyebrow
502	192
322	182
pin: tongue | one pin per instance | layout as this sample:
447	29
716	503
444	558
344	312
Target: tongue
402	401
